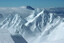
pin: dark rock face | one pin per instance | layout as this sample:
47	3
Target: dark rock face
18	39
29	7
1	15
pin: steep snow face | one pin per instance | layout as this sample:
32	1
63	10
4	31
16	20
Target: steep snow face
12	22
35	26
42	25
34	18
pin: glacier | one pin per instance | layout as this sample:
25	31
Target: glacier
35	25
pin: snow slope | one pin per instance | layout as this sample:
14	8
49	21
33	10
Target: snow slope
5	36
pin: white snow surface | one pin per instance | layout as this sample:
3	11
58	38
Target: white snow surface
5	36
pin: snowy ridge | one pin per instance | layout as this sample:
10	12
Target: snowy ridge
12	21
34	18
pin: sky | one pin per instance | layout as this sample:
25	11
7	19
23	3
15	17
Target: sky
33	3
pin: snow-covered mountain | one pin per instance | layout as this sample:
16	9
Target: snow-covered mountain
35	25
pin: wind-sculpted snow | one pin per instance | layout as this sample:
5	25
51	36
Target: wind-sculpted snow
35	26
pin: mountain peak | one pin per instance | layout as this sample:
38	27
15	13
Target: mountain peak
28	7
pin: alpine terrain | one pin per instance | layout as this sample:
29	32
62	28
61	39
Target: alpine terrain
32	25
